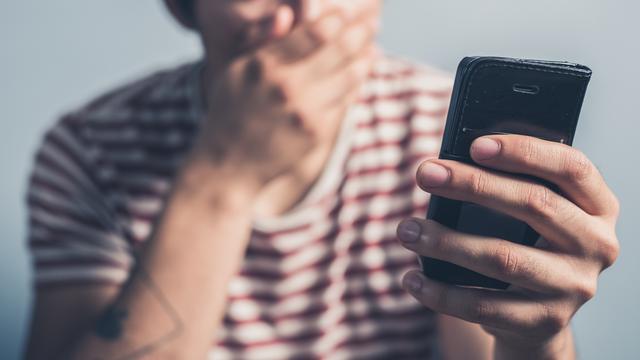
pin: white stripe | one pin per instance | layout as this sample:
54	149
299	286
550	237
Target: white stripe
79	199
132	136
92	272
60	158
383	181
377	206
139	157
139	179
392	155
427	123
145	116
374	158
97	237
420	83
384	132
78	250
53	199
401	109
396	132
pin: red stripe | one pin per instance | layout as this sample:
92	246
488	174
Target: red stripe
394	74
405	119
403	165
316	334
404	95
288	231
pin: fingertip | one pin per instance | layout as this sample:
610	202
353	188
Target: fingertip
431	174
413	281
284	20
485	148
409	231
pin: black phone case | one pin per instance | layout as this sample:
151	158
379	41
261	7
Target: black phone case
494	95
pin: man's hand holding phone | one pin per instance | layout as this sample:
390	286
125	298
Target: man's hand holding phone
549	282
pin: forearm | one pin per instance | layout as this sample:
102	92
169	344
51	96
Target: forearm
559	347
174	301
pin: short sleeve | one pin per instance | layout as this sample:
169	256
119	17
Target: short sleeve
73	234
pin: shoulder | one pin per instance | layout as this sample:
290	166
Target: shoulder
121	114
76	151
164	89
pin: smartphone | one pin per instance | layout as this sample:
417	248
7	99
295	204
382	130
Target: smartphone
494	95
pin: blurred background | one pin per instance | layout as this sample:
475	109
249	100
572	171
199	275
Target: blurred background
55	55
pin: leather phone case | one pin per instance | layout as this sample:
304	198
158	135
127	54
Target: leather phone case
502	96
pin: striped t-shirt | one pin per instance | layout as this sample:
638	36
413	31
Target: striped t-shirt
321	281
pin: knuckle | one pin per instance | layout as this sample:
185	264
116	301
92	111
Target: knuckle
434	241
276	93
529	150
506	260
479	183
552	322
253	69
586	290
609	250
317	35
541	201
578	167
282	88
480	311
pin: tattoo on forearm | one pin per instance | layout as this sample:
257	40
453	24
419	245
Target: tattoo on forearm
111	327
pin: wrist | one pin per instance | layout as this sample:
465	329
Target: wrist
560	346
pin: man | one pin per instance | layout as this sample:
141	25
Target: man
246	207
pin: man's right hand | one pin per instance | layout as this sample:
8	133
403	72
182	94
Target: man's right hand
272	106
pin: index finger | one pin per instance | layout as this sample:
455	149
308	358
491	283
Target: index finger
313	33
575	175
307	37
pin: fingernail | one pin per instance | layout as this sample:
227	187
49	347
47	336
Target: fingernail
433	175
413	282
485	148
409	231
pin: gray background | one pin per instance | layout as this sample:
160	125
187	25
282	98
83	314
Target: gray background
57	54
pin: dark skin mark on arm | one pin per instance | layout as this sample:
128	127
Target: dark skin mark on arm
110	325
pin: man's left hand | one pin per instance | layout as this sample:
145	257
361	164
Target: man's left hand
549	282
